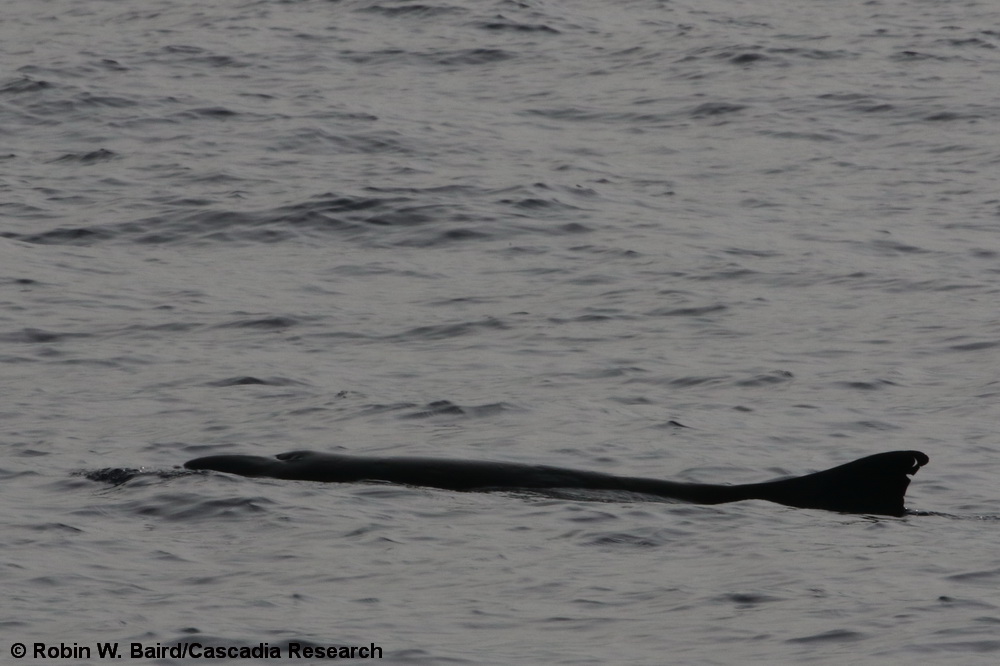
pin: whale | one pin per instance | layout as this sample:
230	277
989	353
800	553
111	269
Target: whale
873	485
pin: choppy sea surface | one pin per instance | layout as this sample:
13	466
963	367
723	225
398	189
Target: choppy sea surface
703	240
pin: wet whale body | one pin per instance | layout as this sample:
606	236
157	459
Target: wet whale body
873	485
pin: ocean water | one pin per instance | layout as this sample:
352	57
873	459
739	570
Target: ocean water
712	240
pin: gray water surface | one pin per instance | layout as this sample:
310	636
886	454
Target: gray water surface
707	240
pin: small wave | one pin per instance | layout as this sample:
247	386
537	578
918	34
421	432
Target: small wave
713	109
38	336
748	599
832	636
381	217
975	346
91	157
446	331
624	539
24	84
687	312
401	57
247	380
411	11
873	385
215	112
501	24
262	323
117	476
766	379
439	408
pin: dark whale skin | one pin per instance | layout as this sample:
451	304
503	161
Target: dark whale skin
872	485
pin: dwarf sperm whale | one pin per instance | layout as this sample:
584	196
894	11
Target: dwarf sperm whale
874	485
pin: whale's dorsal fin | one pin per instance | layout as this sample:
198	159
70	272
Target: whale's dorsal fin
876	484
